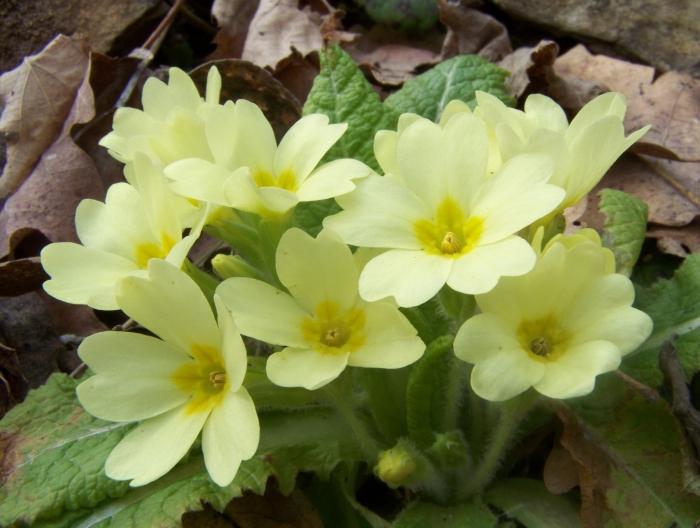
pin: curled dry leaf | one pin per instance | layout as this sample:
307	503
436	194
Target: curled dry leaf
561	472
279	26
671	103
297	73
244	80
470	31
530	68
390	56
38	96
13	386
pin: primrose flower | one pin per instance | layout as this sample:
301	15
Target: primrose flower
252	173
441	215
189	380
322	321
583	150
170	126
119	237
556	328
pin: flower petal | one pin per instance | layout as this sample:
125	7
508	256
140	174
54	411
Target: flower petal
506	374
263	312
82	275
199	179
231	434
255	142
545	112
390	342
411	277
623	326
332	179
380	212
317	270
170	305
516	196
154	447
573	374
301	367
482	336
479	270
232	347
385	142
305	144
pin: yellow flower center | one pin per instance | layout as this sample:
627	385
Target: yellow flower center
543	339
286	180
451	233
204	378
332	331
149	250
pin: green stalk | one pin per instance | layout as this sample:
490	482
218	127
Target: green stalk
510	417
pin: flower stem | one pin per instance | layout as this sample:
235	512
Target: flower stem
340	394
510	417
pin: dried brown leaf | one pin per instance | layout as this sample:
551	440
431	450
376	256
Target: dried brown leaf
278	27
471	31
671	103
273	510
561	472
530	67
390	56
13	386
38	96
19	276
233	18
297	73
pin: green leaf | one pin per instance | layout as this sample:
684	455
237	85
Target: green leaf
309	215
641	441
430	320
341	92
432	393
424	514
674	306
457	78
624	228
387	399
532	505
54	453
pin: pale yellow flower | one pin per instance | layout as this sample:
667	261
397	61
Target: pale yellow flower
583	151
170	126
555	328
442	216
322	321
189	380
250	172
119	237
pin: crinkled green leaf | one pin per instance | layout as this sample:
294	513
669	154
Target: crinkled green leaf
641	441
532	505
423	514
54	453
341	92
625	227
309	215
435	380
457	78
674	305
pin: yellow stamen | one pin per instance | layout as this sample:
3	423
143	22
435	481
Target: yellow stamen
332	331
451	233
543	339
450	244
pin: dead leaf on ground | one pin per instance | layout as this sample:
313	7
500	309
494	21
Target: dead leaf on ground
471	31
671	189
671	103
561	472
279	26
243	80
297	73
530	68
390	56
233	18
38	96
